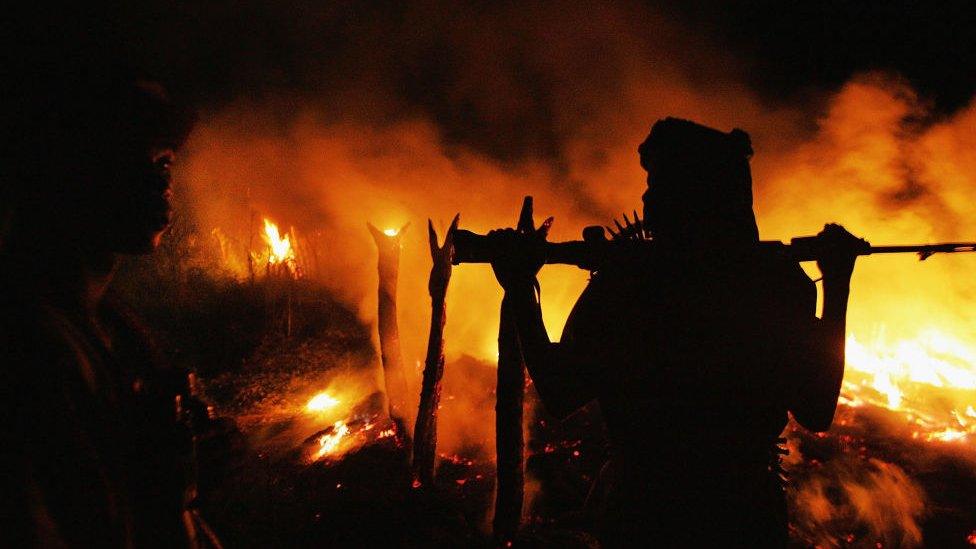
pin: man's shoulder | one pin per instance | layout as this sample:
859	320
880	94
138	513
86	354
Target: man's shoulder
626	263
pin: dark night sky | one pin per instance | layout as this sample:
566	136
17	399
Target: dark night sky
215	52
794	45
791	45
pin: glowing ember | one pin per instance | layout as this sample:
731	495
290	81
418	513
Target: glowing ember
320	402
948	435
281	250
329	442
349	435
390	232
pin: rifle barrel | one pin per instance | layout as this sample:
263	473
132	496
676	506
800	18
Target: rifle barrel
590	252
809	248
947	248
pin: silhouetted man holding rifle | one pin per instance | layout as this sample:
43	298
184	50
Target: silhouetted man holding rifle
696	346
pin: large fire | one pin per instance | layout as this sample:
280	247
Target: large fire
930	379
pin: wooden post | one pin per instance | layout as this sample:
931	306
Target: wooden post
425	430
389	265
510	393
509	490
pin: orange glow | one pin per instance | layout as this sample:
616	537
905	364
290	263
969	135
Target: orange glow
281	250
929	378
340	416
948	435
390	232
321	401
329	443
349	435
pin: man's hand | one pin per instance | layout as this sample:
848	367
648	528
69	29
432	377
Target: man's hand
519	258
838	251
521	251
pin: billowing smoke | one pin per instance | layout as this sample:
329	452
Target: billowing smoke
883	165
542	101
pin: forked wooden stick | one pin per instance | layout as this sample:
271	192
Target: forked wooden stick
425	430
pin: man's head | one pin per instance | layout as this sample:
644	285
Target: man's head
699	186
87	153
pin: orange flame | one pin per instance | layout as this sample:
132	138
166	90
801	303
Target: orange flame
910	375
328	443
348	435
320	402
281	250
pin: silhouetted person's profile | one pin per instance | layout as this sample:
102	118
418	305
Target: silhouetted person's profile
93	454
696	347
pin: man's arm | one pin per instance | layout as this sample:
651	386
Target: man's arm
822	366
822	369
561	372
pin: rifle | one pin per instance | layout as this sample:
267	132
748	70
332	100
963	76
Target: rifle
591	252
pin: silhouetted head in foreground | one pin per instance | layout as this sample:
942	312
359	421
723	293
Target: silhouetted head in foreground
86	160
699	185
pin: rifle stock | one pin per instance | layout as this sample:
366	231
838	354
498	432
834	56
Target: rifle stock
470	247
